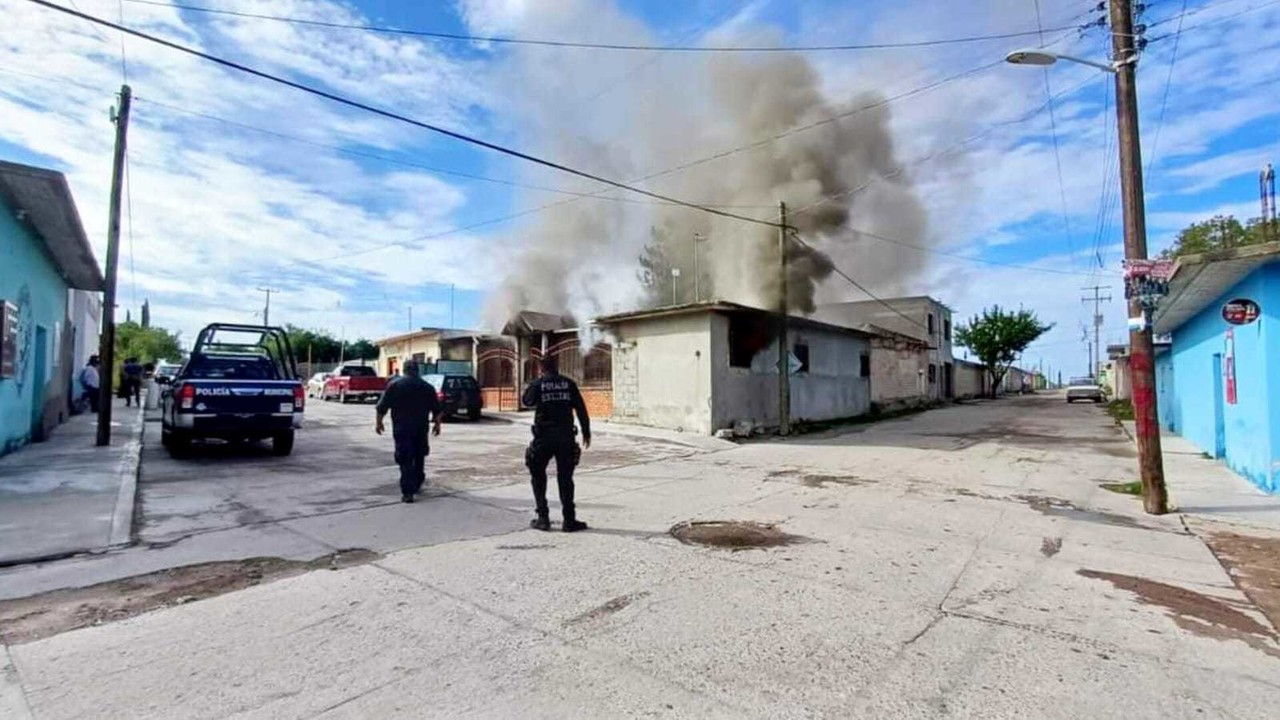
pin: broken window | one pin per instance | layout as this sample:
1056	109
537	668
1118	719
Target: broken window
801	351
864	365
930	323
597	367
933	373
748	335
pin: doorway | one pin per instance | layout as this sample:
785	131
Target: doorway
1219	410
39	378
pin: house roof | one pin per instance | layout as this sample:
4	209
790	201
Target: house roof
872	329
528	321
42	199
442	333
1201	279
722	307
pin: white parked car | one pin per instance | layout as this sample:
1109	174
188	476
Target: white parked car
1084	388
315	386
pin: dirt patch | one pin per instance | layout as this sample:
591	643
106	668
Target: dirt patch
1195	612
40	616
607	609
1057	507
818	480
1050	546
1254	565
732	534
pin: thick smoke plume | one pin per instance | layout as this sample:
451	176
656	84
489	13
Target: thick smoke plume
624	119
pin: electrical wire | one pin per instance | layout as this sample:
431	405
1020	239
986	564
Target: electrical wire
1164	99
794	235
409	163
479	39
399	117
1057	155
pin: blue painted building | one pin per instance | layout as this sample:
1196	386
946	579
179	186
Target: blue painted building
1218	384
43	255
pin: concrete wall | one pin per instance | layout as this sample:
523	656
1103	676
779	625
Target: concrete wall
831	389
29	279
898	373
1194	400
971	380
915	323
661	373
85	310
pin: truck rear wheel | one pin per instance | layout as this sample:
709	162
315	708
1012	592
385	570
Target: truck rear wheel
282	443
177	443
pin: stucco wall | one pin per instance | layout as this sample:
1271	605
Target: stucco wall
897	372
1196	401
29	279
831	389
661	373
970	380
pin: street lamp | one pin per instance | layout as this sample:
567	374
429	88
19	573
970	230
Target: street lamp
1141	365
1044	57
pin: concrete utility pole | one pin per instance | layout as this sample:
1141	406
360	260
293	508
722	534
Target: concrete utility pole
1142	370
1097	300
266	310
107	342
784	354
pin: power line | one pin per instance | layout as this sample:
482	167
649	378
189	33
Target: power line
1057	155
410	163
458	37
1212	21
795	237
1168	83
401	118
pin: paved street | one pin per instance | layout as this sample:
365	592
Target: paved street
961	562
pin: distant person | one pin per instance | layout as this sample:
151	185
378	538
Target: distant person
555	399
131	381
89	383
413	403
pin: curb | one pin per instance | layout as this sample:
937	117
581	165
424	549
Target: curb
130	462
13	699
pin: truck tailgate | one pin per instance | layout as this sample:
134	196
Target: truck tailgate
240	397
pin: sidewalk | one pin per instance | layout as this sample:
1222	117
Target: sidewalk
1206	489
66	496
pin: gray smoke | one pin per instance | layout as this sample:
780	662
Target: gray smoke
583	257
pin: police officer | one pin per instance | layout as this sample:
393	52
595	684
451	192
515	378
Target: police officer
556	399
412	402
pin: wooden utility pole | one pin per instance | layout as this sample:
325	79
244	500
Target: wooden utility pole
1098	298
784	354
266	311
107	342
1155	497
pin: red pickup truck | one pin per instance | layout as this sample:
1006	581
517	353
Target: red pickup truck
354	382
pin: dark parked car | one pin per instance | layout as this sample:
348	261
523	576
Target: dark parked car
459	394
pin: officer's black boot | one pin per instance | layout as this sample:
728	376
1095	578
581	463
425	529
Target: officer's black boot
541	522
574	525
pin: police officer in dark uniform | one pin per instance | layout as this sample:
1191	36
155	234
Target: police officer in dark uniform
556	399
412	402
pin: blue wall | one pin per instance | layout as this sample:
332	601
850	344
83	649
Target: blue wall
1186	382
29	279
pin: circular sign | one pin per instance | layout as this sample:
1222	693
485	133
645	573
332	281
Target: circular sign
1240	311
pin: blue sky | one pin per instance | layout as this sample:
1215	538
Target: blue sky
236	183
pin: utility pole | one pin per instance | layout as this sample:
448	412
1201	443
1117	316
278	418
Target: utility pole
266	310
107	342
784	354
1155	497
409	320
675	280
1097	300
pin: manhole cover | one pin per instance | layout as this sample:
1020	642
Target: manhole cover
732	534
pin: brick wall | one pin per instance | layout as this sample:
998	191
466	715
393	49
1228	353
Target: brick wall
599	402
626	381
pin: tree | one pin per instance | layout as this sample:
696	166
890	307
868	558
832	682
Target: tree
323	348
1217	233
362	350
997	337
148	344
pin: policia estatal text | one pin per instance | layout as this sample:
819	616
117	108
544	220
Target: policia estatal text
556	399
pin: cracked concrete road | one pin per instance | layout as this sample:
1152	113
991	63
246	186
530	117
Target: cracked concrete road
959	563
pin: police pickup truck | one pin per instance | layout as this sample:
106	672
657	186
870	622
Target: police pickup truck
240	385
